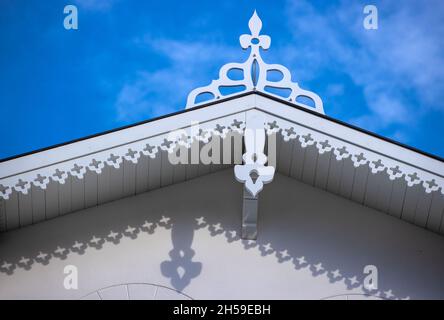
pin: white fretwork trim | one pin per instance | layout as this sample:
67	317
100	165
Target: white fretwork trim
95	162
360	156
114	157
254	158
255	72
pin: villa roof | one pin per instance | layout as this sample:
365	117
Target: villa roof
311	147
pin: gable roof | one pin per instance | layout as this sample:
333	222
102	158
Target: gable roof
310	146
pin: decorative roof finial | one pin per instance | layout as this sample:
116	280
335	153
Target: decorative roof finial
255	71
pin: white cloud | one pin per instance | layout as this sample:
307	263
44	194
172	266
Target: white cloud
335	89
403	58
162	91
399	67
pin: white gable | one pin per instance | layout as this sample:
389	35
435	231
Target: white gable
316	182
310	147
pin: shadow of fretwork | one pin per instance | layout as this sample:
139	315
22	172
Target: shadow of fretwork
308	229
180	268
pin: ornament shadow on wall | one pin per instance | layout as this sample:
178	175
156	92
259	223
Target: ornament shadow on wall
101	227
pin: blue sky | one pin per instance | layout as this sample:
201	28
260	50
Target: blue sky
134	60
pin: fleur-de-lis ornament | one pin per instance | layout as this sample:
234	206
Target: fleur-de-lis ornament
255	71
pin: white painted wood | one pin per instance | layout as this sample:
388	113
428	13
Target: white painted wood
310	164
77	193
385	193
91	181
427	167
122	137
306	227
211	167
259	81
104	185
116	182
142	169
334	175
397	197
192	169
254	162
202	169
238	149
441	231
279	141
372	189
359	183
338	171
227	157
154	171
297	162
285	155
322	170
12	212
65	197
52	200
350	135
25	209
166	171
2	215
347	178
423	209
219	158
38	204
180	170
436	212
410	202
129	178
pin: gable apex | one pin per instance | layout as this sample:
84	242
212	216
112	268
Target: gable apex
255	73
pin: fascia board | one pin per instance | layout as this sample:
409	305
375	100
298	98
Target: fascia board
122	137
350	135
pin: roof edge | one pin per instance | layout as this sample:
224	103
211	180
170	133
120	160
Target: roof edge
229	98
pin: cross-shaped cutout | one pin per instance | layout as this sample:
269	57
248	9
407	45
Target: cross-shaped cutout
40	179
413	176
77	168
149	148
131	153
360	157
3	188
395	170
95	163
21	184
432	183
58	174
220	128
325	144
342	150
113	158
236	123
377	163
273	125
290	131
307	137
166	143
